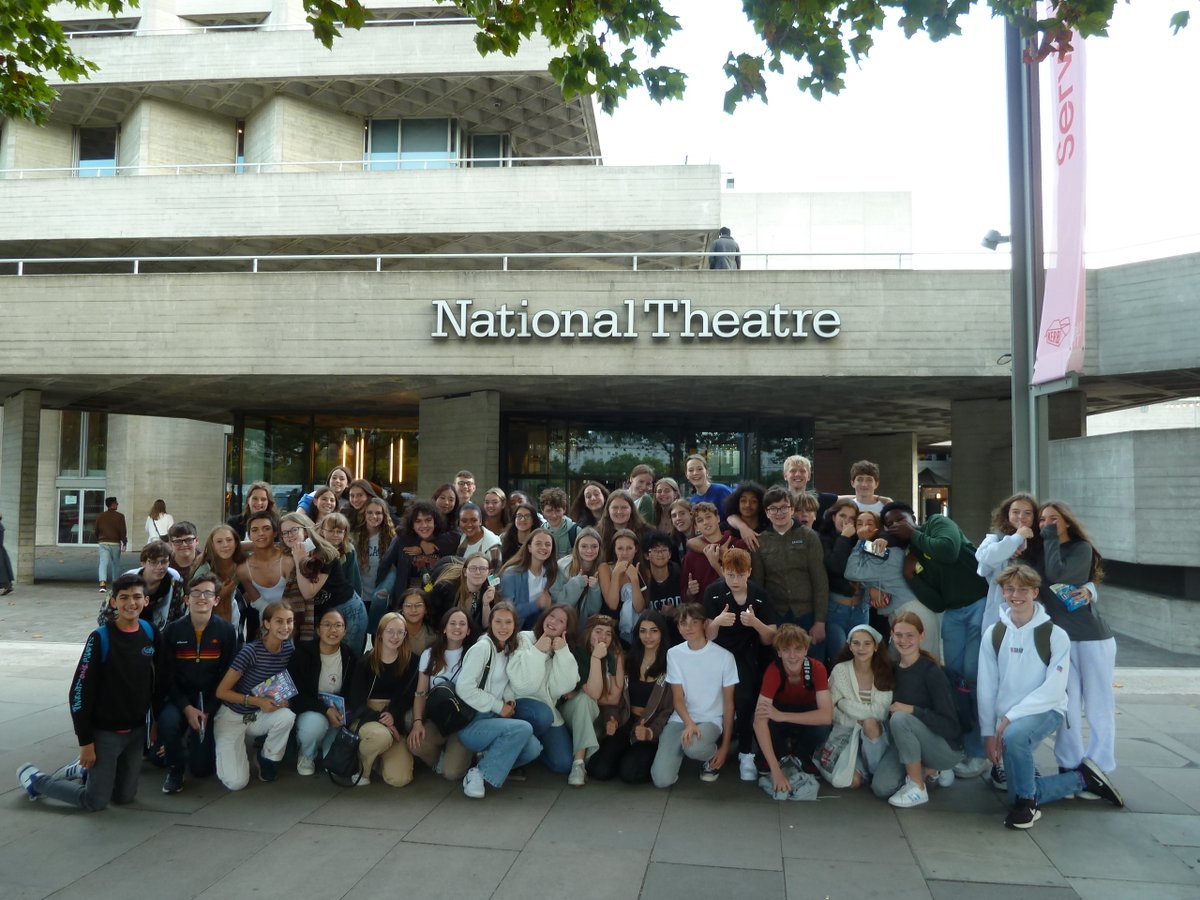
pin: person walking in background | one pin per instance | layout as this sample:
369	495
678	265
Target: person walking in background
725	252
112	537
158	522
6	570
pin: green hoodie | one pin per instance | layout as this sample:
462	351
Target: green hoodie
946	575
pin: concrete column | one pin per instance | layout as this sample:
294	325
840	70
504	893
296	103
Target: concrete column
19	479
981	434
896	456
461	432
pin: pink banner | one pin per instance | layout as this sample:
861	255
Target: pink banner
1060	338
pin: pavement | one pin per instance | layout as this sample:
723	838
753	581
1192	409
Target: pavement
306	838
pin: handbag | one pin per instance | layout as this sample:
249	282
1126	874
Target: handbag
341	762
838	756
445	709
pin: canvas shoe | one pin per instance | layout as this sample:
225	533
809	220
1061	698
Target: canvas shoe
173	783
972	767
1023	814
74	772
267	770
473	784
29	777
305	766
747	768
909	795
997	779
1099	784
578	776
709	774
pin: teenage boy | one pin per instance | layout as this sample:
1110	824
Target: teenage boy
790	564
864	478
164	587
554	510
112	538
185	548
941	569
464	486
702	677
641	489
1022	696
115	686
701	567
197	651
797	473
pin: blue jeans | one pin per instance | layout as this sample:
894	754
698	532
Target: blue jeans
183	745
313	729
354	611
504	743
1021	739
557	747
843	618
110	562
961	632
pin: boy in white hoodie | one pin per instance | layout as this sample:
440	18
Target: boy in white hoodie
1022	698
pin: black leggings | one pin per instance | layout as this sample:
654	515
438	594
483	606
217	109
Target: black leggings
617	757
745	698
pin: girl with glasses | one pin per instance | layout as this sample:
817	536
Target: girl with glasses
466	586
322	670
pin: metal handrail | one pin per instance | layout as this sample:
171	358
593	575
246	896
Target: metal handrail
261	26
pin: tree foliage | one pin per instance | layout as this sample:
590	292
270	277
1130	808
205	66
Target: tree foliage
604	48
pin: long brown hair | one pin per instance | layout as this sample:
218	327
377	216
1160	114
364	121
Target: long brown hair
441	643
572	632
227	582
361	534
509	646
883	673
374	658
1076	532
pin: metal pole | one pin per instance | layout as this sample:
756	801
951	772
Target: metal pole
1025	204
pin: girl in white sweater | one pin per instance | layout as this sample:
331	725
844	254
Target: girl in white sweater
861	685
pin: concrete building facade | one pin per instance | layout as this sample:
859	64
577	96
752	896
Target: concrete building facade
255	258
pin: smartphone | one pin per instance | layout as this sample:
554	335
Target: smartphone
309	546
494	580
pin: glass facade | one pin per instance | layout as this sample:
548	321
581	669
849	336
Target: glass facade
292	453
569	451
82	459
97	152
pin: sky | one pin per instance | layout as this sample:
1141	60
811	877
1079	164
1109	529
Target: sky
931	119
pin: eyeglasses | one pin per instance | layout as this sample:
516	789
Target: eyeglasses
523	517
202	595
478	570
412	606
288	532
182	542
658	550
336	626
778	510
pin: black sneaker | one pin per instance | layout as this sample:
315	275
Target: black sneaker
266	769
1098	783
997	778
173	783
1023	814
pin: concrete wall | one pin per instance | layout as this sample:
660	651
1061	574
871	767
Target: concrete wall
47	490
885	316
26	146
157	132
981	432
18	479
295	131
460	433
1137	493
472	201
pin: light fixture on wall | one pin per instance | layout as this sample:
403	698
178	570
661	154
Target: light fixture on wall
994	239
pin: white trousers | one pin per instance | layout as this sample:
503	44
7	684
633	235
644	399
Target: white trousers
233	765
1089	687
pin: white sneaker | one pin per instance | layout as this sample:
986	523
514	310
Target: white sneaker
909	795
972	767
747	770
578	776
473	784
28	777
362	779
305	766
74	772
943	778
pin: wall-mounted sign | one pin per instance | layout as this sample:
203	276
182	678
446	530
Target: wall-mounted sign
656	318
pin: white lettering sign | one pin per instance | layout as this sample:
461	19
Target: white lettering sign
666	318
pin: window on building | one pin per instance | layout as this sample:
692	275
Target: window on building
490	151
82	444
96	150
239	156
412	144
77	512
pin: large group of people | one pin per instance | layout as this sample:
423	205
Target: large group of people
615	636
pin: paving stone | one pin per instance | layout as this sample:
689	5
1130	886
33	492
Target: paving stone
1168	717
741	835
503	820
1182	784
444	872
306	861
670	881
603	817
382	807
1147	753
1144	795
1103	889
857	827
272	808
964	847
1102	842
595	874
806	878
964	890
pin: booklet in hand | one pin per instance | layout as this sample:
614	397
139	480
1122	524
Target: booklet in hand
278	688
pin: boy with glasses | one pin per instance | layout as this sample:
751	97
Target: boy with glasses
197	650
185	549
464	486
164	587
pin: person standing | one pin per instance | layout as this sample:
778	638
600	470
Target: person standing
724	252
112	538
6	570
159	522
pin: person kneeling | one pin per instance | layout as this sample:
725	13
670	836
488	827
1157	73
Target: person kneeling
1022	694
795	708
